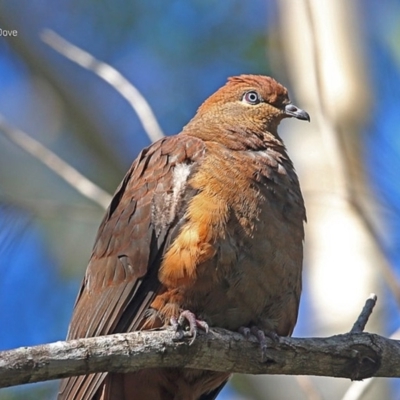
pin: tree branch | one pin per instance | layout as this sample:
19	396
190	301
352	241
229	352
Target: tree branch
352	355
105	71
56	164
366	312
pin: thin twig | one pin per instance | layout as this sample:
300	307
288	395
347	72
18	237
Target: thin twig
366	312
74	178
111	76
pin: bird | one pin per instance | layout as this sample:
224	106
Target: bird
205	230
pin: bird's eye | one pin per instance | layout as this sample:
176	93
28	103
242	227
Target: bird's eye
251	97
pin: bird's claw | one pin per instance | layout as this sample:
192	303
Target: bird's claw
187	325
261	336
245	331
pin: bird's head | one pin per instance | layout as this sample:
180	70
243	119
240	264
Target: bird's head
245	112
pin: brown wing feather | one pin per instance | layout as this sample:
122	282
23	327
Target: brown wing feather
121	278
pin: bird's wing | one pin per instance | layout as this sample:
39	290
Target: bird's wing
144	216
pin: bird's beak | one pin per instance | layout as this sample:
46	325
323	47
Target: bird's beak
292	111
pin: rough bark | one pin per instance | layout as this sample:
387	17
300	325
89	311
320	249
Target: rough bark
352	355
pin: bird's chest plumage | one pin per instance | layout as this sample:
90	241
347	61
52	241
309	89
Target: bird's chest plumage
242	244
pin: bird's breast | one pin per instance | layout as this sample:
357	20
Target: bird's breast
238	258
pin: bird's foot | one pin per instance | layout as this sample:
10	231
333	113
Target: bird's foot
187	325
261	336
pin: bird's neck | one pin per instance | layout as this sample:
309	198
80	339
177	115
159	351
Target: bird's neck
251	137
